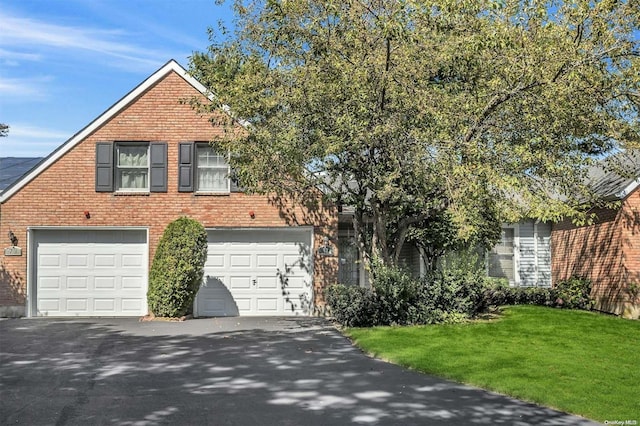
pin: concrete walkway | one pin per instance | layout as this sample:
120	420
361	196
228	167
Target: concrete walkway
225	371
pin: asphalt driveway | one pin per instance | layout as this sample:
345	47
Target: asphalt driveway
225	371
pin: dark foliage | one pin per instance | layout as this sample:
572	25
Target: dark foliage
177	269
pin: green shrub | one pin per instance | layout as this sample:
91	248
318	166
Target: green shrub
540	296
497	295
458	284
497	282
574	293
395	296
453	293
177	268
351	306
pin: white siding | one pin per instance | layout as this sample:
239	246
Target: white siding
544	254
527	261
535	254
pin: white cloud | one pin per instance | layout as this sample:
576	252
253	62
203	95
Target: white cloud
26	131
28	141
10	57
39	36
23	88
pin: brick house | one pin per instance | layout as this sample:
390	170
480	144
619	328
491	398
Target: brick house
85	222
608	251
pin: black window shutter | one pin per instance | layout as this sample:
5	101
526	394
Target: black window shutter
185	167
104	167
158	167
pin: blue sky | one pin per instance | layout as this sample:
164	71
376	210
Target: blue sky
63	63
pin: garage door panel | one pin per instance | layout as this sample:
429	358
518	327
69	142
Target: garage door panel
105	283
104	261
251	264
240	261
268	282
215	261
77	305
49	283
216	298
77	261
295	283
240	282
49	260
132	261
267	305
266	261
104	305
49	305
243	304
132	283
132	306
295	262
77	283
87	272
213	304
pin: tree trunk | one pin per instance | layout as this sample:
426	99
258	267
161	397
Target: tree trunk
361	238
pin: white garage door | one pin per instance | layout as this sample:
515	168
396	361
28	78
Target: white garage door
257	272
90	273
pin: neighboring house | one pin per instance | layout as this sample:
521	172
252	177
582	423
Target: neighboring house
608	251
522	257
88	219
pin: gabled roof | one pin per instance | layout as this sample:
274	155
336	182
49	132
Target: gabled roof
617	176
13	168
171	66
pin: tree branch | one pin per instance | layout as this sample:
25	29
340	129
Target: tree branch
493	105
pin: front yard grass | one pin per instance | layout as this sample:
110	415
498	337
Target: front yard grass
574	361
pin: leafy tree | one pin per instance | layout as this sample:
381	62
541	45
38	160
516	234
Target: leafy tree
177	269
409	110
4	130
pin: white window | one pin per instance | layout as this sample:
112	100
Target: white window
212	170
132	167
501	257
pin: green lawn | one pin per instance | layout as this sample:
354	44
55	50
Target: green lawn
575	361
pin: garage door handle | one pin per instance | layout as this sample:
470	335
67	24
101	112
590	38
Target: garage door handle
254	282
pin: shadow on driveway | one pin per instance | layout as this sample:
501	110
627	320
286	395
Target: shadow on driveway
228	371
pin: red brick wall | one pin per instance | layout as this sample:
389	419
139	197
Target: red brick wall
607	252
60	195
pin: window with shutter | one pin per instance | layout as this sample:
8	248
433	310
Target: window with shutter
212	170
202	170
131	167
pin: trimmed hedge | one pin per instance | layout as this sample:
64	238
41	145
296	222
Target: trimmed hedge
177	269
573	293
500	296
453	293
